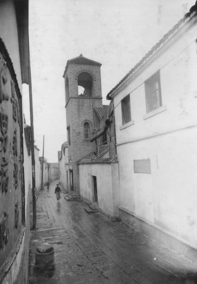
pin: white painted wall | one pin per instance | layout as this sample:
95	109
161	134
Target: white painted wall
37	168
63	166
167	197
106	186
27	173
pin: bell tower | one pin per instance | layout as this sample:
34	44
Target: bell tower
82	92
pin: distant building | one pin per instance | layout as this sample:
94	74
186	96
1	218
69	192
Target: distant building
65	183
155	108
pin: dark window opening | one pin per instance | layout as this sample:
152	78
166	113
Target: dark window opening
67	89
69	139
153	93
95	194
71	179
126	110
85	84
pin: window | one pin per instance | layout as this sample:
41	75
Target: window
153	93
86	130
67	89
126	110
69	140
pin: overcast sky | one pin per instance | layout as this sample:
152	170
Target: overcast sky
116	33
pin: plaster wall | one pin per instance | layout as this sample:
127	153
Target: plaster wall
106	186
37	169
178	68
27	173
9	34
45	173
166	197
63	166
54	172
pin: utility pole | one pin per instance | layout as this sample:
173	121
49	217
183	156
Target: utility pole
42	183
32	150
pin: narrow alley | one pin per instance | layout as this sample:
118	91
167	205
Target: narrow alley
89	248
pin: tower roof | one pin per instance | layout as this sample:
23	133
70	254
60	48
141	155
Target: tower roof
102	111
81	60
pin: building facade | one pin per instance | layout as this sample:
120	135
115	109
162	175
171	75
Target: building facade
155	112
14	188
64	167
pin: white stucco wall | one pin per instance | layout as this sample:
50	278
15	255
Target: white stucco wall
37	168
106	187
167	197
63	166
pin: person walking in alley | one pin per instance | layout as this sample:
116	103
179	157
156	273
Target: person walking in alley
48	185
57	192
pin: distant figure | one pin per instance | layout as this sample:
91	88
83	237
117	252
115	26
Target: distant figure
48	184
57	192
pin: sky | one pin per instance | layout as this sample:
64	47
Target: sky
116	33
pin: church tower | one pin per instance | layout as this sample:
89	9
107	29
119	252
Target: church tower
83	93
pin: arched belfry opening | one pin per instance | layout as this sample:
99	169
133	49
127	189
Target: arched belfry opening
85	83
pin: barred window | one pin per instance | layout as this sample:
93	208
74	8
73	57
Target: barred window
126	110
153	93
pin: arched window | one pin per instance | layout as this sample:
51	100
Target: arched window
86	130
85	83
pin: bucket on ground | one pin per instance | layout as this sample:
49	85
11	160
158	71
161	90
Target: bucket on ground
44	254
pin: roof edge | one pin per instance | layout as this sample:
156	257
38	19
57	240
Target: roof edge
151	52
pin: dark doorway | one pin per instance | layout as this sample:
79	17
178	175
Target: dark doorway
67	184
95	195
71	179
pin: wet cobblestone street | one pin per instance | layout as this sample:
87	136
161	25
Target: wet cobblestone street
89	248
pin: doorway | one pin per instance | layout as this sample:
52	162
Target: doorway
67	184
95	194
71	179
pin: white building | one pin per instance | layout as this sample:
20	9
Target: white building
64	167
156	130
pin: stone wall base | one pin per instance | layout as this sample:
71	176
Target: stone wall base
158	235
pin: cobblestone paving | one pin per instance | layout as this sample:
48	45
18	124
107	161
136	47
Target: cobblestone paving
89	248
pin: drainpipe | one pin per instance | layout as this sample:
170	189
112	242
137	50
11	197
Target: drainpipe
107	124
